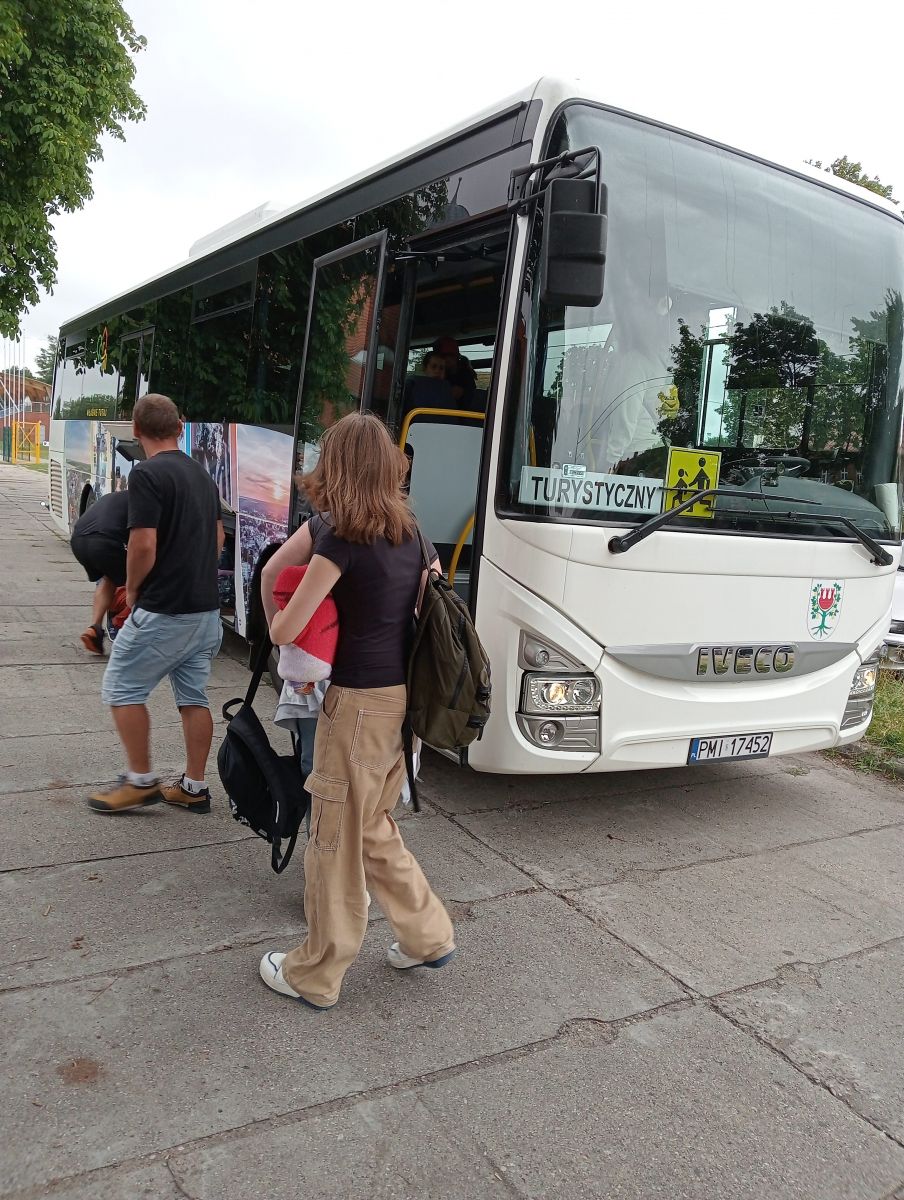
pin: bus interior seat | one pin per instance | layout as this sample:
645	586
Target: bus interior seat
443	483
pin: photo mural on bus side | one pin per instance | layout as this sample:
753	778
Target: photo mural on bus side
80	462
264	458
212	444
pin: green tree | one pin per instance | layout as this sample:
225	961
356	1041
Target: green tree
65	81
853	172
45	360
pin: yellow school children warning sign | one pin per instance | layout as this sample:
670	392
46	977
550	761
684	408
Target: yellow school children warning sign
690	471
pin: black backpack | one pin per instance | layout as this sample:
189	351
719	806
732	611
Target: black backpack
448	673
265	789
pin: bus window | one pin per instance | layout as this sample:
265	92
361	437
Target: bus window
86	382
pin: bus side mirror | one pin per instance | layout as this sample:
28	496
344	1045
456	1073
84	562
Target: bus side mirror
573	254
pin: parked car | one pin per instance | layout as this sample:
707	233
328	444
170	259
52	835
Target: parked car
894	643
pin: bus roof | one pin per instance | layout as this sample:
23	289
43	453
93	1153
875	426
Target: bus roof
546	96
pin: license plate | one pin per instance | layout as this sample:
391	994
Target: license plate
729	745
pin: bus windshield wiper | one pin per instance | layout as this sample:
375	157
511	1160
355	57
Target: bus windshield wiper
618	545
881	557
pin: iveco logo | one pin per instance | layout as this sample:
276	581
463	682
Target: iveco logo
745	660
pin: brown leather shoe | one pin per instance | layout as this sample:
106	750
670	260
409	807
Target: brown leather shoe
176	794
124	796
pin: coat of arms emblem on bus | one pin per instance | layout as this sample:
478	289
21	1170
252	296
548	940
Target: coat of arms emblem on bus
825	605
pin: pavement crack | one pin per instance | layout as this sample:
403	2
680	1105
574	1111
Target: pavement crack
78	862
641	874
777	979
762	1040
684	988
179	1185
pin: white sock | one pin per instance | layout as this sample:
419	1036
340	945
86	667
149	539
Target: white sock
140	779
195	786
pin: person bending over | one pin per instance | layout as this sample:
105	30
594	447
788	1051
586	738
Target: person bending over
99	543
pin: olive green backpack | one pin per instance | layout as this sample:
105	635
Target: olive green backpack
448	673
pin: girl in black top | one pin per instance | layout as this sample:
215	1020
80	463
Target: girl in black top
369	557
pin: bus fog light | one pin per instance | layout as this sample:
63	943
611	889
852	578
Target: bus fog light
560	694
579	734
859	707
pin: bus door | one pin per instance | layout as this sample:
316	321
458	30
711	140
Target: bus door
340	355
448	291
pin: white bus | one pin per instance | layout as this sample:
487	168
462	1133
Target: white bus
671	498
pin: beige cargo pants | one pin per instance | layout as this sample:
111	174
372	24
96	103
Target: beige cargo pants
355	844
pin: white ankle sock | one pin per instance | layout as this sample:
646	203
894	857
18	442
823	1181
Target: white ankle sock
195	786
141	780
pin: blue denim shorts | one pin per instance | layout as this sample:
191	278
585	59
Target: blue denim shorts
152	645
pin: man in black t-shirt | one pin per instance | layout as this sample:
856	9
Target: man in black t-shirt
175	539
99	543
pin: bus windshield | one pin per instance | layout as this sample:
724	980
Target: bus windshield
750	338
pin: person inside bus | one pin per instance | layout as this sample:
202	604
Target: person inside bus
369	556
429	388
459	372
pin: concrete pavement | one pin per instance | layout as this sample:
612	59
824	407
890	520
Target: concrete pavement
682	984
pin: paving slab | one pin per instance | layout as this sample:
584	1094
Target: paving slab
151	1181
198	1044
19	617
55	827
59	923
76	681
33	592
28	715
391	1148
729	924
456	790
679	1107
841	1023
30	764
590	842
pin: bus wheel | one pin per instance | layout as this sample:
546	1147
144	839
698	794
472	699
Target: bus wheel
88	498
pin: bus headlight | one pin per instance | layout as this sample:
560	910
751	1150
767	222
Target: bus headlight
859	707
865	677
544	695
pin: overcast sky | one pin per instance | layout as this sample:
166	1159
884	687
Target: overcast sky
278	99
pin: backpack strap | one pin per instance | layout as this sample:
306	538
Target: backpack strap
407	733
408	746
279	864
424	552
260	665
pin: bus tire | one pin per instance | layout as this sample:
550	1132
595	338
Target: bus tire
88	498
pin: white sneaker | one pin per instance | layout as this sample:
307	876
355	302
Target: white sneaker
271	973
396	957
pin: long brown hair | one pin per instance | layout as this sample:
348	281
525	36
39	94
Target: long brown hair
358	481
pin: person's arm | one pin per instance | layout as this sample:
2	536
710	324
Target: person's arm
144	518
140	558
295	552
318	582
